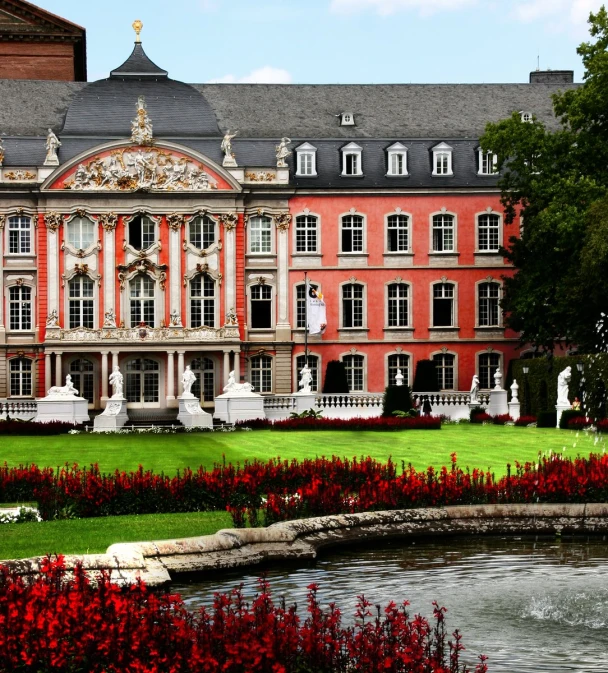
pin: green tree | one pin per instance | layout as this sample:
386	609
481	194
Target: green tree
557	180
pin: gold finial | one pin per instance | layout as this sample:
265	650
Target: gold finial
137	26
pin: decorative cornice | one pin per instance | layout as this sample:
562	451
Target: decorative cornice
159	271
53	221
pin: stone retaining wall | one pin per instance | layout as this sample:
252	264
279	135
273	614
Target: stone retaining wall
155	562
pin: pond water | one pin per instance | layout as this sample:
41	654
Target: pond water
530	604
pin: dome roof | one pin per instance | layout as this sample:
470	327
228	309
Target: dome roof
107	107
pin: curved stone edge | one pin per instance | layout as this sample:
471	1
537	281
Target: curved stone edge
155	562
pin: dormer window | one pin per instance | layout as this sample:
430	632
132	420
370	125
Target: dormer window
306	160
487	162
347	119
442	160
526	116
397	160
351	159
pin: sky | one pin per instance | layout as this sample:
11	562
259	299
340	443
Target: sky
336	41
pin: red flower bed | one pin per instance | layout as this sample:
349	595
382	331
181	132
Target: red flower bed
58	624
481	417
524	421
501	419
584	422
380	423
280	490
13	427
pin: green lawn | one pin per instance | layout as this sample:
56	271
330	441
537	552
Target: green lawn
484	446
92	536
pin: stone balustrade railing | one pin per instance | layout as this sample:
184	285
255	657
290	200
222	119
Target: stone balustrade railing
23	411
353	405
454	404
130	334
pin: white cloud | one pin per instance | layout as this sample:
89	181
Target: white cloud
559	15
387	7
265	75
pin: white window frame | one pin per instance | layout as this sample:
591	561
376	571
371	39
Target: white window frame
257	389
408	227
363	326
343	357
296	370
162	371
32	372
396	150
80	299
273	299
363	217
155	298
352	149
306	153
526	117
252	226
202	219
443	213
387	300
152	248
486	162
478	247
201	299
478	285
441	152
20	302
20	219
78	220
455	356
296	286
454	298
317	228
478	357
406	379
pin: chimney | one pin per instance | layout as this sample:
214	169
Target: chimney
552	77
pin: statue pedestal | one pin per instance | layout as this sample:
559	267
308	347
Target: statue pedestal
239	406
514	410
190	413
560	408
64	408
498	403
304	401
113	417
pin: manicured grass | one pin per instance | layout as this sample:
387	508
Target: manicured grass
486	446
93	536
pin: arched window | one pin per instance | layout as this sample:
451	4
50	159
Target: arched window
19	235
81	303
443	305
443	233
21	377
142	232
355	372
313	365
141	296
352	305
204	386
81	233
202	301
398	361
83	378
488	232
260	368
20	307
306	233
201	232
260	235
444	363
398	308
397	232
487	364
488	297
143	381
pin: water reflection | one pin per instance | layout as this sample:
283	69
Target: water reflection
530	604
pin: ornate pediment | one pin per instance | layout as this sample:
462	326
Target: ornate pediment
132	167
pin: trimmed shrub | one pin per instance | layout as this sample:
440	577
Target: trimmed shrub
476	411
425	380
382	423
501	419
396	398
15	427
546	419
569	415
335	382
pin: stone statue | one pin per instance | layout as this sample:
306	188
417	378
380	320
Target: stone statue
52	319
514	391
475	389
52	145
283	151
562	387
305	380
141	126
233	387
68	389
226	147
231	317
498	379
1	151
399	378
176	319
116	381
109	319
188	379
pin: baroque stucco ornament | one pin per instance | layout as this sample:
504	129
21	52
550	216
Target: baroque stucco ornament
108	221
53	221
148	169
229	220
175	221
141	126
282	221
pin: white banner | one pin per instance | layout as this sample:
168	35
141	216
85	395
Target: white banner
315	310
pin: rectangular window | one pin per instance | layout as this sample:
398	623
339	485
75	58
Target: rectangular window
398	305
396	163
20	308
488	304
261	307
443	233
19	235
81	302
351	164
442	163
352	305
488	233
487	163
260	240
352	233
202	232
355	370
21	377
301	304
488	364
313	365
202	301
443	305
261	373
398	233
306	233
306	163
444	364
395	362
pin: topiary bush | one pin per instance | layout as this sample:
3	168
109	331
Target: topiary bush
396	398
546	419
335	382
569	415
425	380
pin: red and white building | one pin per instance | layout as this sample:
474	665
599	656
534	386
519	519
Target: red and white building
155	249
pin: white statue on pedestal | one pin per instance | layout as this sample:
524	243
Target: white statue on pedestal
283	151
68	389
498	379
226	147
562	387
116	381
109	319
399	378
475	389
52	319
188	379
233	387
52	145
305	380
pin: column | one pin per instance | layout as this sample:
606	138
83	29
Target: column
109	270
58	377
114	359
47	370
237	367
175	263
283	332
180	371
226	366
170	376
53	271
229	270
104	377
